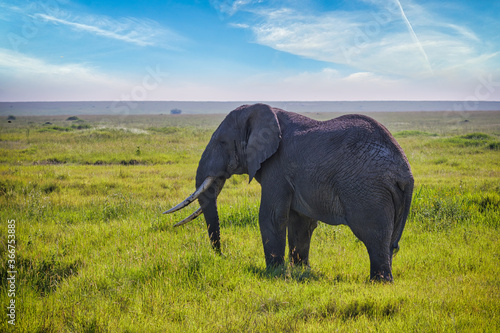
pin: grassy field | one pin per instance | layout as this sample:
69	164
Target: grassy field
93	253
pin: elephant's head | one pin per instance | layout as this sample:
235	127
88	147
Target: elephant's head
246	138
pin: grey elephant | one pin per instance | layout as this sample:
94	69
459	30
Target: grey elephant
349	170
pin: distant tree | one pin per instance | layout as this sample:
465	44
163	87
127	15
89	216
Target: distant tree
11	117
72	118
175	111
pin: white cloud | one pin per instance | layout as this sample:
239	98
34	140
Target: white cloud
24	77
240	25
32	78
22	64
329	84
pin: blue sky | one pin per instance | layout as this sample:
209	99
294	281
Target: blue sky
249	50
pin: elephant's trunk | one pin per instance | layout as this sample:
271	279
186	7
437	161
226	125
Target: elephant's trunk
208	203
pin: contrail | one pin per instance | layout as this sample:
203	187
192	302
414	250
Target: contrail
414	37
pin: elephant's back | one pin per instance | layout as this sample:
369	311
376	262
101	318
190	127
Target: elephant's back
363	149
366	138
351	144
357	127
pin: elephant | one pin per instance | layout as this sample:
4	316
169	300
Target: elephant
349	170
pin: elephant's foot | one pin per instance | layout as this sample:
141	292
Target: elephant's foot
297	260
381	276
273	262
380	264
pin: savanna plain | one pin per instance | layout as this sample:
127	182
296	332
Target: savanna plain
93	252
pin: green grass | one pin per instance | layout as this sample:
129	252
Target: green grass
95	254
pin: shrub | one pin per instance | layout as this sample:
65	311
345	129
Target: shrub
81	126
405	134
470	140
476	136
494	145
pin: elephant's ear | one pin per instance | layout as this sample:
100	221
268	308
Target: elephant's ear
263	136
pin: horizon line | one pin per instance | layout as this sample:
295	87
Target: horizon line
257	101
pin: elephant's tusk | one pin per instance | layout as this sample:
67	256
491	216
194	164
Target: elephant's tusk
203	187
189	218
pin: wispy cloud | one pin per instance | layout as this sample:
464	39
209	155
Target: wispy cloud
126	37
377	38
233	6
141	32
138	31
414	35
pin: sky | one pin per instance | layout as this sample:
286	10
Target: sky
249	50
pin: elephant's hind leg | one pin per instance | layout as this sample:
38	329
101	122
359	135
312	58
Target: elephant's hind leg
300	229
375	232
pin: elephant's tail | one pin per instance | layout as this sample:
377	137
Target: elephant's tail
402	206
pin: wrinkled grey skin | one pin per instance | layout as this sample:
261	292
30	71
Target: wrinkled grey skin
348	170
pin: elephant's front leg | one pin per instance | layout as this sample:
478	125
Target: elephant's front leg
273	219
300	230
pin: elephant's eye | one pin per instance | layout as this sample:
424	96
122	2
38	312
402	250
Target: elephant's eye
223	143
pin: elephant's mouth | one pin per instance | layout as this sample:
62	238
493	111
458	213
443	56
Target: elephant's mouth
206	194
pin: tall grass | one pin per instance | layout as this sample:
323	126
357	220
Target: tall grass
95	254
